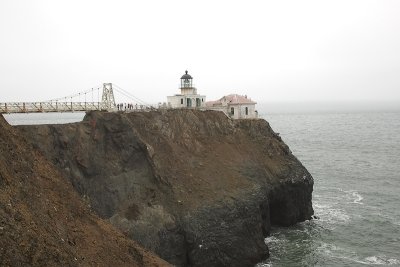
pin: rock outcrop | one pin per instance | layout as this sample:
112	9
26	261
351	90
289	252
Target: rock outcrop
44	222
193	186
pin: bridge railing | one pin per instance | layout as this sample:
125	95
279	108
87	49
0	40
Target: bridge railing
33	107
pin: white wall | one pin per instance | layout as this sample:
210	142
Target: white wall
189	91
175	101
251	111
240	111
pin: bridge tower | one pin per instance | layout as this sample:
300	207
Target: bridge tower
107	99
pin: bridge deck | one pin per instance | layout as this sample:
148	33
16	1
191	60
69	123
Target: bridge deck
33	107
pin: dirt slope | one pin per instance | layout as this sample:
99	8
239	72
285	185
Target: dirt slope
44	222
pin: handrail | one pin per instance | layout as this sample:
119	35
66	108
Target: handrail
33	107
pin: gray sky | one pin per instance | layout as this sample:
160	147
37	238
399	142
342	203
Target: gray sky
269	50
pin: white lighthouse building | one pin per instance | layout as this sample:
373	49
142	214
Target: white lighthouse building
188	98
235	106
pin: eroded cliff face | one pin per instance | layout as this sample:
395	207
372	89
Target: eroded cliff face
194	186
44	222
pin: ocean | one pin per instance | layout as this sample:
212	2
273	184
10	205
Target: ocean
355	161
354	158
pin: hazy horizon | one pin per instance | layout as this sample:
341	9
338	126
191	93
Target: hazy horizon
286	51
327	107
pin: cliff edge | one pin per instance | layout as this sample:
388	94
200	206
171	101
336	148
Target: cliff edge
193	186
44	222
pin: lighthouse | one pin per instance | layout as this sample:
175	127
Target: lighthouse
188	98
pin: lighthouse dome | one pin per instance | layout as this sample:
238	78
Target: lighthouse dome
186	76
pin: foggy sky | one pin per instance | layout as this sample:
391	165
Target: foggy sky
269	50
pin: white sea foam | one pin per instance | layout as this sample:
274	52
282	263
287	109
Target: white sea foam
327	248
358	197
375	260
331	215
333	251
276	242
272	239
378	260
352	196
393	261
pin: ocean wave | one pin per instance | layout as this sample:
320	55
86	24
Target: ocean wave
333	251
331	209
330	215
377	260
276	241
326	248
272	239
353	196
373	260
358	197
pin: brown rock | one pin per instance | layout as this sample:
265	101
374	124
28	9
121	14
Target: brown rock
43	220
215	185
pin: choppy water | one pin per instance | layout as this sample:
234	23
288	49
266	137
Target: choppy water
355	161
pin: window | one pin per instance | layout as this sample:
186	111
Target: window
232	111
181	101
246	110
202	100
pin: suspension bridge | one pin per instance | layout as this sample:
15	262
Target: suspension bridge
74	102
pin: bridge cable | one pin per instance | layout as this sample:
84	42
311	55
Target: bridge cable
129	95
71	96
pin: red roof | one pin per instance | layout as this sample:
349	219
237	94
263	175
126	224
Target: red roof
232	100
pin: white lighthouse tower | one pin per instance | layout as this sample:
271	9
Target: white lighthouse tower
188	98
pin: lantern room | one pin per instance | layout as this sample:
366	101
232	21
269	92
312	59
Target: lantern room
186	80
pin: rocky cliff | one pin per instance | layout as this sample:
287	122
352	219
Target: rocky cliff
193	186
44	222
